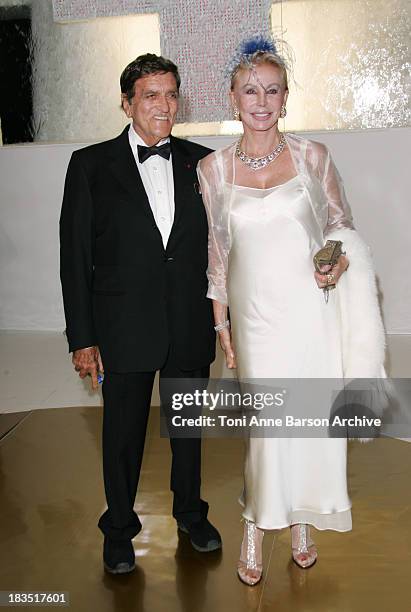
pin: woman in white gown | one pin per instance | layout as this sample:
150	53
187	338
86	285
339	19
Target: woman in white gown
271	200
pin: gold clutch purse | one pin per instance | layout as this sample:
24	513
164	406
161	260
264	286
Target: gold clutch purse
328	256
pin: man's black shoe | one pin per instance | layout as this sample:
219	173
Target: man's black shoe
203	536
118	556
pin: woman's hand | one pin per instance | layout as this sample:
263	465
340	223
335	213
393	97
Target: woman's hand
224	335
227	345
331	275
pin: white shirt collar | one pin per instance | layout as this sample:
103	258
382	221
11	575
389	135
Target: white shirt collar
135	139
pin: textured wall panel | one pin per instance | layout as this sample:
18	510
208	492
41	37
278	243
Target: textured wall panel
199	35
77	68
69	10
352	62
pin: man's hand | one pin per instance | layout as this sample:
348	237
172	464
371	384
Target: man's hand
339	268
226	344
87	361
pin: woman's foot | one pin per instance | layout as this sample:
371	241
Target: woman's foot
250	564
303	548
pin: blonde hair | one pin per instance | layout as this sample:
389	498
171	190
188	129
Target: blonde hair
247	62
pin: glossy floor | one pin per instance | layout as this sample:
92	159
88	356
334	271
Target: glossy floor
51	496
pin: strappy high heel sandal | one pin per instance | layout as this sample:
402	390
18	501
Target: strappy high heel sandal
250	564
303	549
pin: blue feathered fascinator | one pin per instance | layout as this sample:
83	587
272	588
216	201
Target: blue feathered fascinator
257	43
247	48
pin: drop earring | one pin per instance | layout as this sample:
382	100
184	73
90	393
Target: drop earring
283	111
236	114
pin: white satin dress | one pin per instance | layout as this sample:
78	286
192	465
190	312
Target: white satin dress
282	328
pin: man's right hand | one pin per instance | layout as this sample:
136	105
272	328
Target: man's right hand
87	361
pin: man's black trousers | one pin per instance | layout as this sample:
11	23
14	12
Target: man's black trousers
127	400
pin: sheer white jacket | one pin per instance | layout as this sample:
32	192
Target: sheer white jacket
362	328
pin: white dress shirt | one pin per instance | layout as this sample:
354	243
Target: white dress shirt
157	177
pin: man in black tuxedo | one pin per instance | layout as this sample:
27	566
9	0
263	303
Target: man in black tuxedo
133	235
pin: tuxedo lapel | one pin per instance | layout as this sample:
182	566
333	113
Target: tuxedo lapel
182	180
123	165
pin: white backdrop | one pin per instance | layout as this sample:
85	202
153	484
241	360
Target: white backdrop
373	163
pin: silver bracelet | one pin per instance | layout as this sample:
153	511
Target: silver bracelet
221	326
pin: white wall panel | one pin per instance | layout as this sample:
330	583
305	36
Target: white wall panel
374	165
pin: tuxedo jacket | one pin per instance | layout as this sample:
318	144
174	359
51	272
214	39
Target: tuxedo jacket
122	290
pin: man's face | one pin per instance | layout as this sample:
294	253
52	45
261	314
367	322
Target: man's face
153	107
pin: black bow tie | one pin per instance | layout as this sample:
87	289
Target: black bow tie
145	152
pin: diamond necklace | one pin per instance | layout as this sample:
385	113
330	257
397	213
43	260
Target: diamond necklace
256	163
